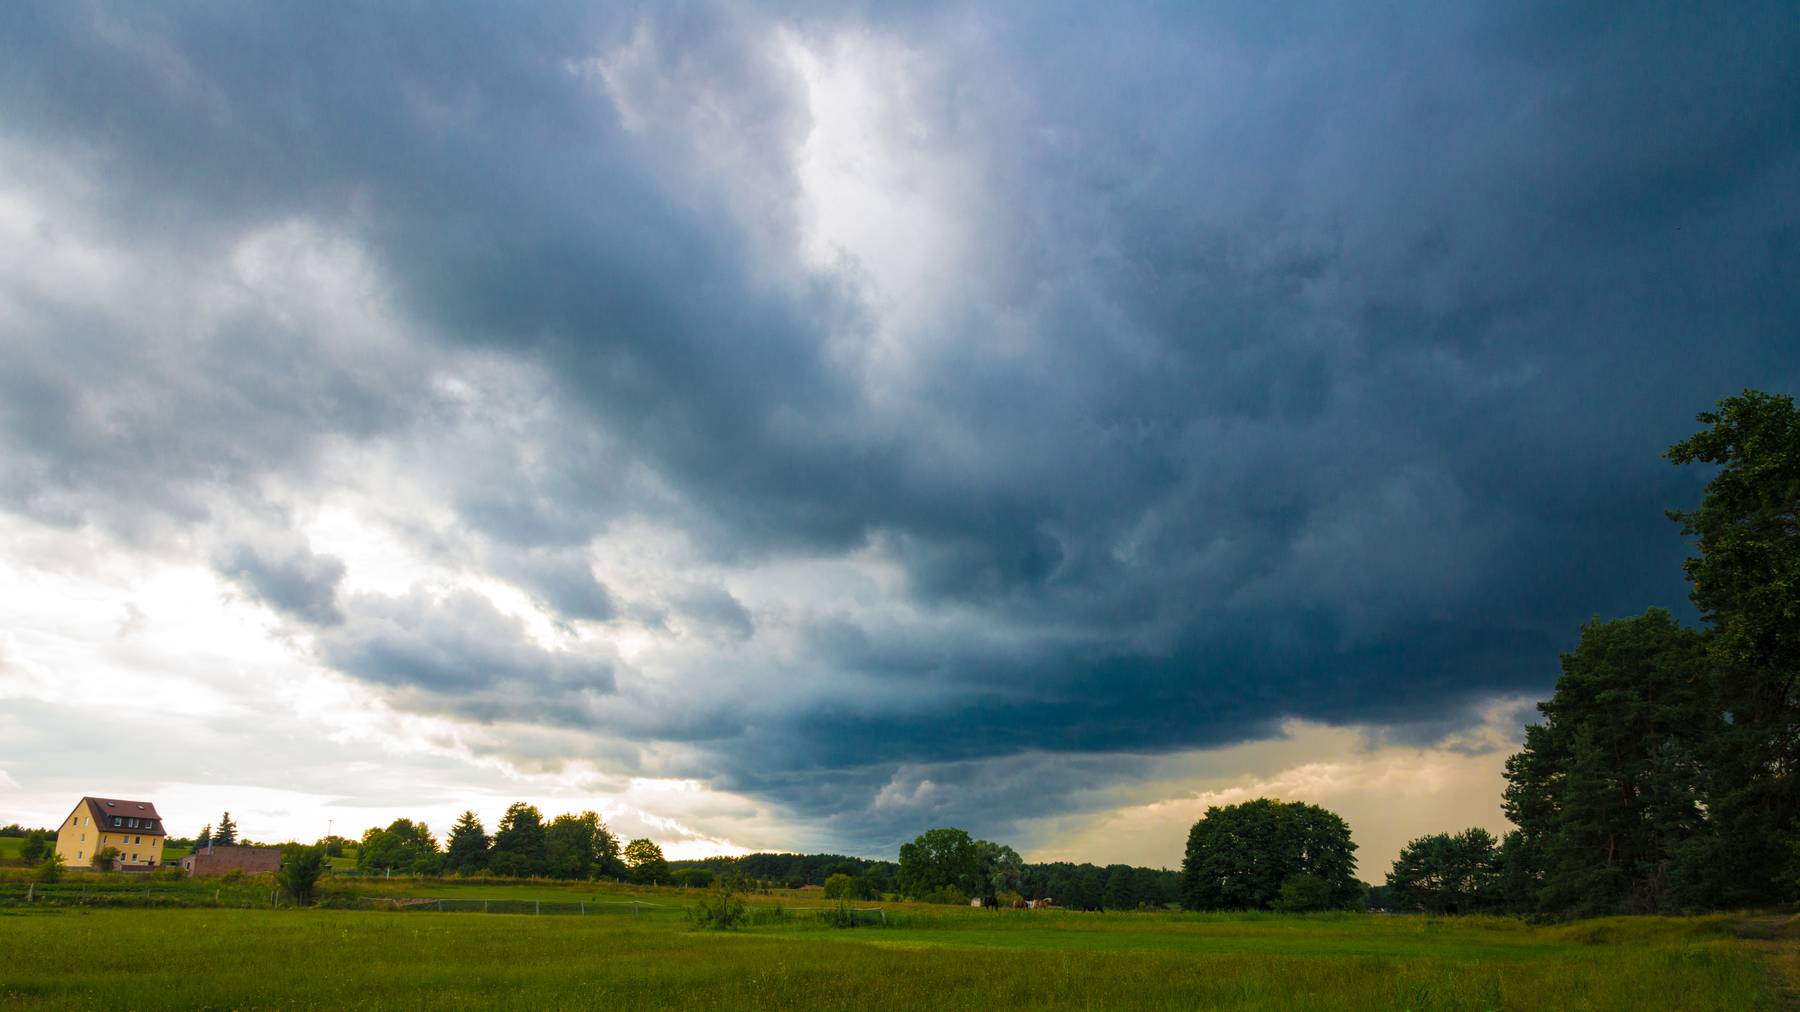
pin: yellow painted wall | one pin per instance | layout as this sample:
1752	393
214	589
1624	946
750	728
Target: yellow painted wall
81	836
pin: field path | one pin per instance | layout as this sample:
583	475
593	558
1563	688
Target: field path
1777	940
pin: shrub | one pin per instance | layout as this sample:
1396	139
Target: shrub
51	869
234	875
106	858
1302	892
948	895
299	873
721	908
36	843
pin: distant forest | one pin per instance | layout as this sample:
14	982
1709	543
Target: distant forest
1082	886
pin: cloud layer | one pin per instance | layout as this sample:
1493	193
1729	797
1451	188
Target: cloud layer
800	404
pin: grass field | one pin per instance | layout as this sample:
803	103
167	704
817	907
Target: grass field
927	957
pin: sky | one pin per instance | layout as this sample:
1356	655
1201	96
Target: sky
794	427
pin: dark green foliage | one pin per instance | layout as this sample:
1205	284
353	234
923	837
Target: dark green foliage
519	845
1608	793
204	840
106	858
694	878
36	843
226	834
579	847
404	847
50	869
1447	874
1239	856
1746	582
803	869
645	859
1302	893
298	876
466	850
1084	886
940	859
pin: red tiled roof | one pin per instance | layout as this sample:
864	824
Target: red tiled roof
105	810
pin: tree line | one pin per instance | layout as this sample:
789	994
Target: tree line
523	845
946	865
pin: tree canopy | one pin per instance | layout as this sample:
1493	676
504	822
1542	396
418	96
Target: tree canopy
519	846
1447	873
1239	856
645	859
1746	583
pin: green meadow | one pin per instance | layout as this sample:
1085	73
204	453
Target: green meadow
384	944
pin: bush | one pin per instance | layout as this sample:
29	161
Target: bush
234	875
51	869
693	878
948	895
36	843
721	908
106	858
299	873
1303	892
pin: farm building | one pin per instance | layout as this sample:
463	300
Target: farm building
220	860
132	828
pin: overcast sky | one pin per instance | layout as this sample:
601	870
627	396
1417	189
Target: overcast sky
798	427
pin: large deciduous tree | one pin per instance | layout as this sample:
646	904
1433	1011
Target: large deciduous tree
579	847
404	846
940	859
1746	582
1448	873
1239	856
645	858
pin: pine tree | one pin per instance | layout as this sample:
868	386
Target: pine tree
1746	582
205	838
519	842
1609	792
468	846
226	835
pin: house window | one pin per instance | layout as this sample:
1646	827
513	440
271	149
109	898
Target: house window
115	820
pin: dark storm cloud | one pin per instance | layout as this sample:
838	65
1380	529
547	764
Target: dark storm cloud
458	652
563	581
1351	341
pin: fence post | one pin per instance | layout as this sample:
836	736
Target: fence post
884	918
484	906
584	908
30	891
216	897
537	906
634	908
440	906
